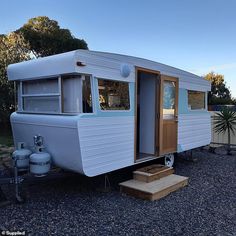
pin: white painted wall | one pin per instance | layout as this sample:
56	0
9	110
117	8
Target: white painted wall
194	130
107	143
147	113
60	136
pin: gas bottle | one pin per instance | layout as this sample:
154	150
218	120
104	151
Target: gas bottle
21	156
40	162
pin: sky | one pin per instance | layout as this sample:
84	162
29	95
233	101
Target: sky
195	35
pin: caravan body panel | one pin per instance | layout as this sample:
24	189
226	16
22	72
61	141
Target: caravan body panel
102	141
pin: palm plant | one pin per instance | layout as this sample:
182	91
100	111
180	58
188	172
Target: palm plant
224	121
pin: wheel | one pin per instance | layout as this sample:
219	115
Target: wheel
169	160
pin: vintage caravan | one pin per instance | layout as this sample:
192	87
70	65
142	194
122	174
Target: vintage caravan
98	112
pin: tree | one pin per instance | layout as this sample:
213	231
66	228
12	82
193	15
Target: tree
46	38
13	48
220	93
224	121
40	36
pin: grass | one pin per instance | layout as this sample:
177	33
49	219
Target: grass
6	140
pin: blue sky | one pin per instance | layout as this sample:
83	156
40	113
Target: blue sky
197	35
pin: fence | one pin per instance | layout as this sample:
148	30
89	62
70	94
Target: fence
220	138
221	107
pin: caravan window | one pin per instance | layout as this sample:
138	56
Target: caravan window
40	95
66	94
72	95
196	100
87	95
113	95
77	95
169	98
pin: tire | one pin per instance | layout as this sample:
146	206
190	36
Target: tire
169	160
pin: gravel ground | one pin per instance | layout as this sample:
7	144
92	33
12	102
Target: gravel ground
74	206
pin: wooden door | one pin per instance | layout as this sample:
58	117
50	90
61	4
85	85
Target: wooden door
168	115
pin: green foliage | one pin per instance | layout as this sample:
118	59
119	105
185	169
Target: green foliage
224	121
6	139
47	38
13	48
40	36
219	94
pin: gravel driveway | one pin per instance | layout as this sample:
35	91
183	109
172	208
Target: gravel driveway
73	206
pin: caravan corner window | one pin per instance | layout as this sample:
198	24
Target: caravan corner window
67	94
196	100
87	95
113	95
77	95
40	95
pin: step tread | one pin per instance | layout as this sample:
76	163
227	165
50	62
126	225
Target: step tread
152	170
156	185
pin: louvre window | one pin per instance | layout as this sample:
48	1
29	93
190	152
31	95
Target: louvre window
67	94
41	96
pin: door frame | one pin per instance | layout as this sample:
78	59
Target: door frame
176	80
157	108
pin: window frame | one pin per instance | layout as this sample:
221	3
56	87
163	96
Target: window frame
91	79
62	98
108	110
59	95
205	101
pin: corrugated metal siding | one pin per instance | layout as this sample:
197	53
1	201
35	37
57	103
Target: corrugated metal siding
194	130
107	143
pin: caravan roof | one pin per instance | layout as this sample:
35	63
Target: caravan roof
99	64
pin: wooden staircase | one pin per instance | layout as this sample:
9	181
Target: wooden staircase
153	182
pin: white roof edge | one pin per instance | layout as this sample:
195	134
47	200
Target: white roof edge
140	58
66	63
53	65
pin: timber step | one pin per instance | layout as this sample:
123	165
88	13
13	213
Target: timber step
153	172
153	182
153	190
